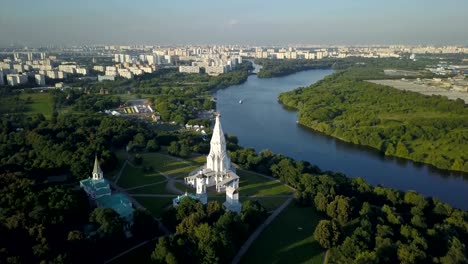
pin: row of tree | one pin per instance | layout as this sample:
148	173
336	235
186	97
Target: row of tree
206	234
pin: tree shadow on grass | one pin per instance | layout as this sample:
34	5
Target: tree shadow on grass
301	254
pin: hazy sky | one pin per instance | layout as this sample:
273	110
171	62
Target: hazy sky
41	22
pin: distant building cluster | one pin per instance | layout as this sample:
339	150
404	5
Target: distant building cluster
33	66
36	66
212	64
127	66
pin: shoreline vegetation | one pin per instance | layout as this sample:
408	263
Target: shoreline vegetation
426	129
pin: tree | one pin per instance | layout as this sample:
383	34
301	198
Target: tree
162	253
456	253
253	213
152	145
327	233
340	209
110	223
138	159
321	202
144	226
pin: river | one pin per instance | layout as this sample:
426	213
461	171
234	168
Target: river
261	122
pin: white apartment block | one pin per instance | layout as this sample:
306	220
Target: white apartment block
18	67
126	74
16	79
147	69
62	75
135	70
40	79
99	68
215	70
56	74
111	73
82	71
6	65
45	68
67	68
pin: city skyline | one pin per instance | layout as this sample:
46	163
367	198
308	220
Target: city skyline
337	22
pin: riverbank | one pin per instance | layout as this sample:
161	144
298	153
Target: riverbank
262	123
431	130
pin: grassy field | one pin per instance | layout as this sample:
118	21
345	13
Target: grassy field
155	205
141	255
35	103
159	188
134	176
270	203
40	103
288	239
253	184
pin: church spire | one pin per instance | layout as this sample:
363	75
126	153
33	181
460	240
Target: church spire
218	135
218	159
97	172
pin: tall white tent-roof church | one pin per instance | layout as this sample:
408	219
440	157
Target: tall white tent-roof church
218	171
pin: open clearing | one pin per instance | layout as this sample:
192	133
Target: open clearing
410	85
288	239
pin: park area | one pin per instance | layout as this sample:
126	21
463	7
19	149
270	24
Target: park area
28	103
159	179
288	239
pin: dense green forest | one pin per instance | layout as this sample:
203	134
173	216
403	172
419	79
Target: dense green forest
206	234
374	69
428	129
366	224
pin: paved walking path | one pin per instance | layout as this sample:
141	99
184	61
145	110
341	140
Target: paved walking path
152	195
128	250
120	171
138	205
326	257
145	185
243	249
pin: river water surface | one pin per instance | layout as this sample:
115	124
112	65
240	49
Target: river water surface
261	122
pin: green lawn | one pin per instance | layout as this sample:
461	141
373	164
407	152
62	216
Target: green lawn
183	187
253	184
159	188
270	203
288	239
133	176
37	103
41	103
155	205
167	165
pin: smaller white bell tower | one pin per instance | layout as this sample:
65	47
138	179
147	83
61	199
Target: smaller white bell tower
201	188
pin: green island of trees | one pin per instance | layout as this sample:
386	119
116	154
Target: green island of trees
428	129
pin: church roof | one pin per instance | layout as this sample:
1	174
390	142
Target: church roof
118	202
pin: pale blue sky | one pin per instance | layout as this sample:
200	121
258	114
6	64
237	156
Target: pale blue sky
40	22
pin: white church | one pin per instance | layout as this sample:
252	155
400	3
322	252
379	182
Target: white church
218	171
